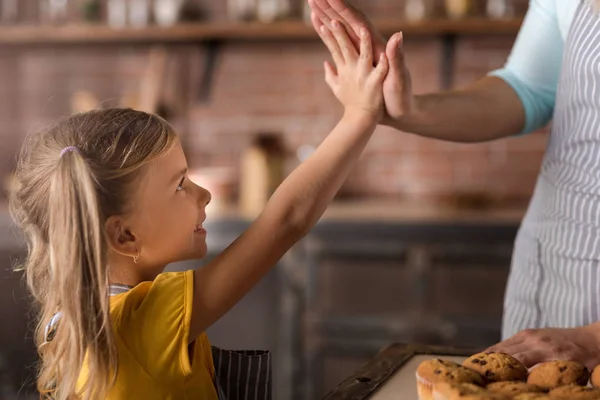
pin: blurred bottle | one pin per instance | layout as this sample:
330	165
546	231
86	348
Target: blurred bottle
167	12
54	11
272	10
90	10
498	9
416	10
220	182
116	13
456	9
9	11
241	10
262	170
306	11
139	13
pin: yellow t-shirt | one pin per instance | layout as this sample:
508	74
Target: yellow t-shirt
151	324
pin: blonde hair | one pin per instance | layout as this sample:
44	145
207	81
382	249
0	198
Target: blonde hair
62	201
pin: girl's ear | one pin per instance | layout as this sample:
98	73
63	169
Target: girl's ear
120	237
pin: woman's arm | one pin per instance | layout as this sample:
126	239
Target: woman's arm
517	98
521	101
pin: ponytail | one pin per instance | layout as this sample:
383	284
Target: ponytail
62	200
79	279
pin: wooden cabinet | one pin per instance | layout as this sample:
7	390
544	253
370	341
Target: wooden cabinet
366	285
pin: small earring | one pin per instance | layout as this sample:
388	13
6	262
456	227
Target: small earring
136	258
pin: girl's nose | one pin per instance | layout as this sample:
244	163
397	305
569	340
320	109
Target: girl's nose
205	196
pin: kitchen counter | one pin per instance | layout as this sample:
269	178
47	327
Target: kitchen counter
400	211
419	212
226	223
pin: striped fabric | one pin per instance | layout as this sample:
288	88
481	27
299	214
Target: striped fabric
243	375
239	374
554	280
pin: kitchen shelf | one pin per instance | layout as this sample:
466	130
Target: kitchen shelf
212	35
199	32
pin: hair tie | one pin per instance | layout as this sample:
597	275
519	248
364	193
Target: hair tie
50	329
69	149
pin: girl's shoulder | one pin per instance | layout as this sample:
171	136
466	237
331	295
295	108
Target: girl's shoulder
171	293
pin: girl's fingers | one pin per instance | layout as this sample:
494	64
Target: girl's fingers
344	43
382	68
332	45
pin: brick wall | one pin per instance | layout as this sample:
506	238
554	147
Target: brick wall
277	87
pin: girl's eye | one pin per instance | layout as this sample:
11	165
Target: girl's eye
180	186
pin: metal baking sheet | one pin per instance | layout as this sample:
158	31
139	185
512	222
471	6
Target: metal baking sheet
391	373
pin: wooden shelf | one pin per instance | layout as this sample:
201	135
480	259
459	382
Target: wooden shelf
285	30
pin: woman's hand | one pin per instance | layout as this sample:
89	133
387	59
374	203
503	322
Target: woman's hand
533	346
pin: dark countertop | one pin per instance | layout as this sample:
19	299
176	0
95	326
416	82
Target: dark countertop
226	223
397	211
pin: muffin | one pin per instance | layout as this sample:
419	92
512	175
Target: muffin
497	367
430	372
448	390
512	388
464	391
575	392
532	396
595	378
552	374
481	396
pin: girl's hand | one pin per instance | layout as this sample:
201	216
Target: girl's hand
354	80
397	87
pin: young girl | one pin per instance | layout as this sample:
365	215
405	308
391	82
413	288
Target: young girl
106	204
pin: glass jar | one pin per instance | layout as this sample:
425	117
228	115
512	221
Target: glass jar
498	9
54	11
271	10
416	10
9	11
241	10
167	12
139	13
116	11
456	9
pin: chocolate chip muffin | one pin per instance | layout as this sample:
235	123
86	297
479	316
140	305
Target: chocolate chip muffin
552	374
532	396
479	396
497	367
575	392
595	378
447	390
513	388
430	372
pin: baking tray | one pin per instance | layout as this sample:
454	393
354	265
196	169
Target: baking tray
390	375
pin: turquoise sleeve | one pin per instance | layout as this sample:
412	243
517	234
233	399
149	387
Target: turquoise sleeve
533	67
